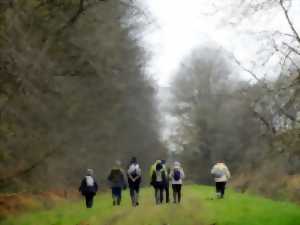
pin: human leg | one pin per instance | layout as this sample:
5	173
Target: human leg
137	191
222	189
218	189
179	192
161	194
89	200
174	193
157	195
167	193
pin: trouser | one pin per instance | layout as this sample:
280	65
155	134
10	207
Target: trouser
176	192
167	193
89	200
134	194
220	188
116	195
159	192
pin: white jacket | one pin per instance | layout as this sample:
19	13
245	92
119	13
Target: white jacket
225	171
180	181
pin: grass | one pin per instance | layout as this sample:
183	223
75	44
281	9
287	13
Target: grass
198	208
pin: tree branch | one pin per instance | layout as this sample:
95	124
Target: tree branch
286	13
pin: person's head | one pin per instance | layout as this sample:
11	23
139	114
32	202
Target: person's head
157	161
133	160
177	164
90	172
118	163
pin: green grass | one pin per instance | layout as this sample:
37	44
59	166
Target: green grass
198	208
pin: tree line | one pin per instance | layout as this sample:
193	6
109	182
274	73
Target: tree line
73	92
251	124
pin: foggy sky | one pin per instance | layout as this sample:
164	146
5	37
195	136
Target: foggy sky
182	25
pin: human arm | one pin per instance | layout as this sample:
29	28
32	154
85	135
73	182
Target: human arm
95	186
228	175
182	174
82	186
213	170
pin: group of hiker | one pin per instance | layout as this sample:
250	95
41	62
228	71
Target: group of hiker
161	176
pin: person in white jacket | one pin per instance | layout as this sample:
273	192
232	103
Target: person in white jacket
177	176
221	175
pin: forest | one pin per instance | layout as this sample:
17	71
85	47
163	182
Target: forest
74	93
78	91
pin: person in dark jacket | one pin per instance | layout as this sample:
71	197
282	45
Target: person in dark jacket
117	182
134	174
88	188
158	181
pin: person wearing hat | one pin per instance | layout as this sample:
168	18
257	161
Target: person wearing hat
177	175
117	181
88	188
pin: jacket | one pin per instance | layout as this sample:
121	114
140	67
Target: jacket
223	170
88	186
117	178
182	175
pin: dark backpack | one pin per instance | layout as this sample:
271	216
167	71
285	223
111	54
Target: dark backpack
158	167
177	175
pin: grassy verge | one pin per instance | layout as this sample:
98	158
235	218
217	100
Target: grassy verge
198	207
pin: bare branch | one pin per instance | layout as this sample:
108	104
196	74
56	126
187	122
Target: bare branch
292	48
286	13
255	76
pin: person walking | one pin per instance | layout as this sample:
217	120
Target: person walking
152	176
117	180
221	176
177	175
134	174
158	181
167	182
88	188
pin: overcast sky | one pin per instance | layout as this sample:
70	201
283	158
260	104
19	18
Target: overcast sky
182	25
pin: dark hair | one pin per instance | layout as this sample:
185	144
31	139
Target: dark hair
133	160
158	167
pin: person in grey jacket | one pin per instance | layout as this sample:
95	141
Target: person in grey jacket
117	180
221	176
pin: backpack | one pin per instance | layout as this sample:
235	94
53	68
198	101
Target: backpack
158	167
134	173
89	181
134	170
115	175
218	173
176	174
88	185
